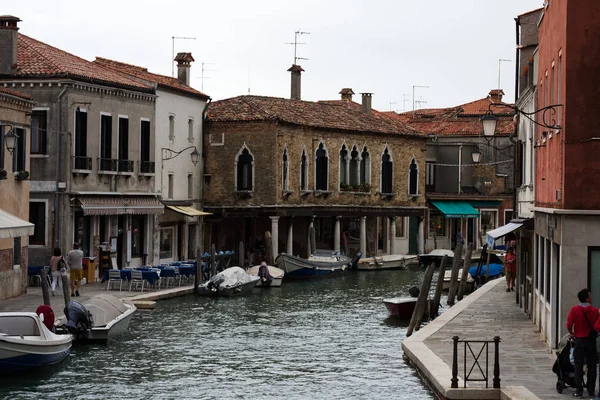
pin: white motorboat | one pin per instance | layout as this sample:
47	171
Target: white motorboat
101	318
272	279
319	264
25	342
448	277
386	262
229	282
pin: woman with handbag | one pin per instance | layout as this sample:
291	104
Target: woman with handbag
57	263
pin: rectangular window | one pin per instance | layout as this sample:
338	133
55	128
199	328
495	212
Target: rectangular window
17	250
508	215
430	176
437	223
551	86
138	227
171	128
399	227
106	143
166	243
191	130
20	152
123	142
2	146
190	186
81	161
548	268
559	89
39	121
146	166
170	193
488	222
37	216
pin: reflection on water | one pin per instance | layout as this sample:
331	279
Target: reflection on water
323	339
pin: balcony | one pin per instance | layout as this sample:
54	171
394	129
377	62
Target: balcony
107	166
81	165
125	167
146	168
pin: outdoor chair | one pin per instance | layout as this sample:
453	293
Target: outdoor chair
177	276
137	278
114	276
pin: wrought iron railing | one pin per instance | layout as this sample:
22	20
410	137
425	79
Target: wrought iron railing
107	164
82	163
146	167
125	165
476	351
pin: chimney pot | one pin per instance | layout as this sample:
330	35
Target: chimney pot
184	61
496	95
347	94
9	26
366	102
296	74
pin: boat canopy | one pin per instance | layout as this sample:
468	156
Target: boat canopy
456	209
502	231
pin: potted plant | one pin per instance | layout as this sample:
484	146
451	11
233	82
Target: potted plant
365	187
355	188
21	175
3	174
343	187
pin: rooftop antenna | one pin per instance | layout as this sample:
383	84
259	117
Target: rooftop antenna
173	51
392	102
500	60
404	100
296	43
202	77
420	101
413	94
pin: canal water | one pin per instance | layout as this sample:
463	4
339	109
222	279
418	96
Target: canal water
322	339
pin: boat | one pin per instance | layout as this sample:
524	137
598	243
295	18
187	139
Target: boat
25	342
496	270
435	256
386	262
102	318
319	264
403	307
231	281
272	278
448	276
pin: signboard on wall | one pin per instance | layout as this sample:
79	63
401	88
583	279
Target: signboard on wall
128	246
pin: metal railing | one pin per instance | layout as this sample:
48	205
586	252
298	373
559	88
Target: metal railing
476	357
82	163
146	167
125	165
107	164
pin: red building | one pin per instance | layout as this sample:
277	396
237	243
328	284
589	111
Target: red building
567	203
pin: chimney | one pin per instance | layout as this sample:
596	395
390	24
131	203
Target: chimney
347	94
296	71
183	67
366	102
496	95
8	44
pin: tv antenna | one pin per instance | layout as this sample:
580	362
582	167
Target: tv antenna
420	101
392	102
500	61
413	94
296	43
202	77
405	100
173	51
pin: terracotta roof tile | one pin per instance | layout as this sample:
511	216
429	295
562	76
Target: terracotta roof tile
333	114
143	73
15	93
37	59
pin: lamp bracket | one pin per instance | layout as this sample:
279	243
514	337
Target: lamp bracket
547	114
168	154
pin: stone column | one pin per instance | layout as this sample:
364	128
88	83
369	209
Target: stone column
392	235
290	238
336	233
275	236
421	236
363	236
156	242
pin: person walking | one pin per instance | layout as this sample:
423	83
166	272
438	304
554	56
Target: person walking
57	262
510	265
580	323
75	263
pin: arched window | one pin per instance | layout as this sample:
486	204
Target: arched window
354	167
413	178
244	170
365	167
285	171
344	166
321	168
303	171
386	172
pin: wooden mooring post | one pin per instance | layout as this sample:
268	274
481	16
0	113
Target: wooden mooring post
465	273
439	287
417	317
454	277
44	283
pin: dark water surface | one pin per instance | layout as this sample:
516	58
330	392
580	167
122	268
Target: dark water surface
324	339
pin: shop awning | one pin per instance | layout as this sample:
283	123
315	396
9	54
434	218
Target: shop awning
12	226
497	233
456	209
189	211
108	205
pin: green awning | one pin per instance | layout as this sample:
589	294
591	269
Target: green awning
456	209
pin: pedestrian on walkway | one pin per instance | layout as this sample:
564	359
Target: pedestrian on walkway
580	323
57	262
510	266
75	262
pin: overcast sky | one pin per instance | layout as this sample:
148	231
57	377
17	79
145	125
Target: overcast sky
383	47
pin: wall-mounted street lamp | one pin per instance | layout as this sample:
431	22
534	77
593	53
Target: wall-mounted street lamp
10	139
476	155
489	120
169	154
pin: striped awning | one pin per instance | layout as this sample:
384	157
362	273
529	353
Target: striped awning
12	226
116	205
189	211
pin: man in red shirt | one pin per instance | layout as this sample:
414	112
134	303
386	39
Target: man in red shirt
580	322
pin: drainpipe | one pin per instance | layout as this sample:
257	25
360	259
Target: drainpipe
56	193
459	168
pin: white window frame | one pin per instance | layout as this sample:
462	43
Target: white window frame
45	155
479	224
46	222
100	135
367	165
191	130
170	185
508	210
172	229
171	127
190	178
140	140
119	116
215	143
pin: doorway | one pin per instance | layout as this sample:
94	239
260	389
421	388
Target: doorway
120	239
413	233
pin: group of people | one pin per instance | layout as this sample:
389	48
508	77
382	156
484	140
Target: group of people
583	322
60	265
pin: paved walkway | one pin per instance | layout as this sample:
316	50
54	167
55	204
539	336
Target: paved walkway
525	361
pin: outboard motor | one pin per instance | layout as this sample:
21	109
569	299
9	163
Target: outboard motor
264	274
355	259
79	319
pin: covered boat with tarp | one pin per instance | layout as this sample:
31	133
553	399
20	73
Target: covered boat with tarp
229	282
